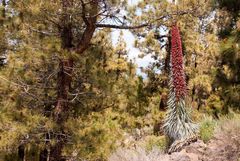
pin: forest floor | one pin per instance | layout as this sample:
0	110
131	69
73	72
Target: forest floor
224	145
220	148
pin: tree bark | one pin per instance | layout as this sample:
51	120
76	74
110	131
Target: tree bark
64	80
3	13
65	67
21	153
61	111
43	155
64	84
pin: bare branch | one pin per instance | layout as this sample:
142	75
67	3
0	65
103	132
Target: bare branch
121	27
88	32
43	32
179	13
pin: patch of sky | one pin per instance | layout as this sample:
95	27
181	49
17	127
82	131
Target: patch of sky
129	38
133	52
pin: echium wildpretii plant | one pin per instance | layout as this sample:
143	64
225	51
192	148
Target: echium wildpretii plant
177	125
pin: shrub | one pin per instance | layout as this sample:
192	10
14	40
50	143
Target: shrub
158	142
207	129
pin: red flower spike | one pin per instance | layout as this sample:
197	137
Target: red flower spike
179	83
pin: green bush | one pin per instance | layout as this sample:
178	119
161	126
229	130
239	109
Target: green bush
207	129
153	141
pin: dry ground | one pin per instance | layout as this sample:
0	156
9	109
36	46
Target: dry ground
224	146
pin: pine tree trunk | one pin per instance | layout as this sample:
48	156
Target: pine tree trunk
43	155
3	36
64	79
21	153
62	109
167	59
64	83
56	152
3	13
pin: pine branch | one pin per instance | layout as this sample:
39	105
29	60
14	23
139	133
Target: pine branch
179	13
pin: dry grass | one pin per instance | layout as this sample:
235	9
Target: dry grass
229	124
224	139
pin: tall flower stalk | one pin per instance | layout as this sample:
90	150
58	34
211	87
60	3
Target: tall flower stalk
177	125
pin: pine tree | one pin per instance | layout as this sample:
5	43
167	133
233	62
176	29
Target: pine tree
227	73
48	75
3	40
